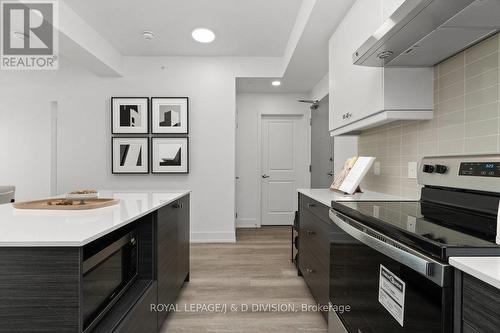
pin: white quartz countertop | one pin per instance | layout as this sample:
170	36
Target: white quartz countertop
486	269
20	227
326	196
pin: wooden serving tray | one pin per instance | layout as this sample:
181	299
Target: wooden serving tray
52	204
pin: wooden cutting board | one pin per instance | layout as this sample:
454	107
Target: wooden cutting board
54	204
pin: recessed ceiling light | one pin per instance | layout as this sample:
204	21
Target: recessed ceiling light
276	83
148	35
203	35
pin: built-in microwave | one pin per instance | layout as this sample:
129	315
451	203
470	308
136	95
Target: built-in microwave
110	266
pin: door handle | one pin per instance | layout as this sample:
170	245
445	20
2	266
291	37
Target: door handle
330	173
265	176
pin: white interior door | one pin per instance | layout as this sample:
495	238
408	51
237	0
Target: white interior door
284	166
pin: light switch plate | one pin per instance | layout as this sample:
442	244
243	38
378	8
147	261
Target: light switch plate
376	168
412	170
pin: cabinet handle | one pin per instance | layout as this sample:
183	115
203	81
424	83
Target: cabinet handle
177	205
310	233
311	205
309	271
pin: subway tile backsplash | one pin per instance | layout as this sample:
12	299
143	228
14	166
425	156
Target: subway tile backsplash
466	120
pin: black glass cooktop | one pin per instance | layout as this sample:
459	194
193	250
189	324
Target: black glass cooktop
435	229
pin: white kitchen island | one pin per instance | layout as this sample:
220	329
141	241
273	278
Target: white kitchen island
94	270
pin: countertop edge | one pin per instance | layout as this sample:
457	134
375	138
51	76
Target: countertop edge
326	196
307	193
86	241
476	271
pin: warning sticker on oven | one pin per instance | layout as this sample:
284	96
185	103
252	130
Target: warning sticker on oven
391	294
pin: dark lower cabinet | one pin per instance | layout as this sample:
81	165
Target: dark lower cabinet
477	305
315	233
172	252
40	290
183	242
140	318
167	258
468	329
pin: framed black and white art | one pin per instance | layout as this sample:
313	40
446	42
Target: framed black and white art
130	115
170	155
170	115
130	155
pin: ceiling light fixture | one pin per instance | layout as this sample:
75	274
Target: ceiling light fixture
148	35
276	83
203	35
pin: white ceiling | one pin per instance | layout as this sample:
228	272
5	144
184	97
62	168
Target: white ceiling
309	62
243	27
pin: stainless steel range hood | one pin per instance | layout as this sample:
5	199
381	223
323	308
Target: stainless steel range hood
422	33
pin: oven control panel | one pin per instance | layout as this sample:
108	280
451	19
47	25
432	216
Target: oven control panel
480	169
474	172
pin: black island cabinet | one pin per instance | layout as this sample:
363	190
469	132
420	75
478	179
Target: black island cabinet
46	289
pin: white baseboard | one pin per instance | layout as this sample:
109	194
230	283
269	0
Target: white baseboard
284	223
213	237
247	223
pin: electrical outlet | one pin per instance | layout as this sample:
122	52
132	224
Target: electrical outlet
412	170
376	168
376	211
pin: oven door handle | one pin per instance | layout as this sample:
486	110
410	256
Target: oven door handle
430	269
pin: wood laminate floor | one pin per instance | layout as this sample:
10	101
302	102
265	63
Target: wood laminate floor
255	270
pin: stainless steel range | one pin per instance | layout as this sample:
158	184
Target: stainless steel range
390	266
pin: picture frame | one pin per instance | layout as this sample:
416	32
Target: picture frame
170	155
130	155
130	115
170	115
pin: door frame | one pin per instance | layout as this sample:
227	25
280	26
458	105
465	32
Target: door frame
306	118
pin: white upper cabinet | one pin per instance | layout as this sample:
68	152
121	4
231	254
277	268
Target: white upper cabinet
362	96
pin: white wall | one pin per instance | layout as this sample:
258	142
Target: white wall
25	145
344	147
321	89
84	136
249	108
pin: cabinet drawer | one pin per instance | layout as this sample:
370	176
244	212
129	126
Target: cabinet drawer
481	305
140	318
315	207
314	234
315	276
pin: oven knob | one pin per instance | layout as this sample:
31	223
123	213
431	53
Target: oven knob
441	168
428	168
